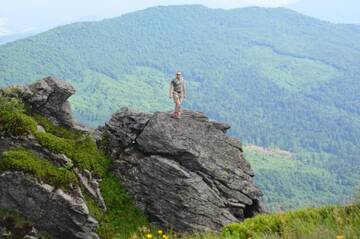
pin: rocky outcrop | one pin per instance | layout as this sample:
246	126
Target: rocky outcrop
49	97
60	214
185	174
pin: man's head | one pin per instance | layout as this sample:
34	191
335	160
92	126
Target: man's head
178	74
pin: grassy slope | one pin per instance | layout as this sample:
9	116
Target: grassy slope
279	78
312	223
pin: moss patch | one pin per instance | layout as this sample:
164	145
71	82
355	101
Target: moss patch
26	161
82	151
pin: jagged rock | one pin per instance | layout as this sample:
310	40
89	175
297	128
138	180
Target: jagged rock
124	127
23	193
92	187
58	213
185	174
49	97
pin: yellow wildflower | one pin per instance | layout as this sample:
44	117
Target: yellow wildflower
160	232
149	236
165	237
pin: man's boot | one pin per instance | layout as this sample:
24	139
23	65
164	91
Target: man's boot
175	115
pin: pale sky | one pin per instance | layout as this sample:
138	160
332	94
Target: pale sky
19	16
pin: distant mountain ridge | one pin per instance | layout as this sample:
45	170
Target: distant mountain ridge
278	77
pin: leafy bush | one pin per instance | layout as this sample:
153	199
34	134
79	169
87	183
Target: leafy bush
26	161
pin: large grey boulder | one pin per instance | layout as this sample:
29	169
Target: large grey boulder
58	213
185	174
49	97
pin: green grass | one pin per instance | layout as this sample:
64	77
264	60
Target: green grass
122	219
312	223
13	120
329	221
20	159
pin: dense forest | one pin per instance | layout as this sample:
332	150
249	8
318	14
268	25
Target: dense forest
279	78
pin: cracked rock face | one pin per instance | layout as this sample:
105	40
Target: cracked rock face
60	214
185	174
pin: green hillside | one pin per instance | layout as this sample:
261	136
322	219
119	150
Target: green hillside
287	182
279	78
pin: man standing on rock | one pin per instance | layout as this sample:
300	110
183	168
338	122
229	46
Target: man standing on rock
178	92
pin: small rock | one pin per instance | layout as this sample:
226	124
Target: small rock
40	129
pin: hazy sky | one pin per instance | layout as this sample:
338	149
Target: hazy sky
18	16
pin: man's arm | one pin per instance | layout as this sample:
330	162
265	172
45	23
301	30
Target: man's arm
184	89
170	89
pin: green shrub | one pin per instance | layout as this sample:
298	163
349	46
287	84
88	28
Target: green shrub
83	151
19	159
12	119
16	124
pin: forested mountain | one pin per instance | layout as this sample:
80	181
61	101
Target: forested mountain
279	78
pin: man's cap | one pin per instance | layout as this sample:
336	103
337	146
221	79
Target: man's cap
178	73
